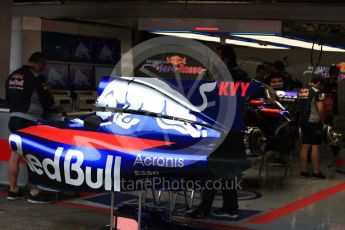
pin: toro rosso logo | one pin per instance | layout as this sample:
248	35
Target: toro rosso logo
72	172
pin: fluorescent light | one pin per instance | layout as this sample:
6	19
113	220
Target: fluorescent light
296	42
253	44
195	36
209	38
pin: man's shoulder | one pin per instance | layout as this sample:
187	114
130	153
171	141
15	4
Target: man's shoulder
242	71
240	74
318	94
24	70
315	89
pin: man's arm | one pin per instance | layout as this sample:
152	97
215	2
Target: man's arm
320	105
45	96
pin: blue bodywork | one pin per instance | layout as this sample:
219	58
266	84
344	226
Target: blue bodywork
128	147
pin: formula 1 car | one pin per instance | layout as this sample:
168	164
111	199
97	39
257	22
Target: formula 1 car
279	123
144	128
145	132
141	128
266	109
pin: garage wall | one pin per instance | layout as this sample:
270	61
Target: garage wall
32	27
248	58
31	37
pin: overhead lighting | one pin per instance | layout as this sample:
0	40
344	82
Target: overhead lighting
195	36
210	38
253	44
290	41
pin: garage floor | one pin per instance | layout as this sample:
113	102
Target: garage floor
297	203
274	202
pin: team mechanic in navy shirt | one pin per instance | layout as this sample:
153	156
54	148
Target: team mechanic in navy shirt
28	96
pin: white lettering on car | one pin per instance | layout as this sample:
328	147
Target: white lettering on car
73	173
167	162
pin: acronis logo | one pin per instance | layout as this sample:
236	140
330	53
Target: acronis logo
168	162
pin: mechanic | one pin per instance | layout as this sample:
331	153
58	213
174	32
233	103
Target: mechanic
290	83
234	141
277	81
331	92
311	116
27	96
228	56
331	100
262	73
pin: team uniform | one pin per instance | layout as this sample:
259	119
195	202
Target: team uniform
27	97
309	117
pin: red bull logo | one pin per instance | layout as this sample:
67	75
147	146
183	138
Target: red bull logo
67	166
176	60
342	69
16	81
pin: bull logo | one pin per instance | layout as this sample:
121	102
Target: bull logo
105	54
155	96
176	60
81	79
55	78
82	52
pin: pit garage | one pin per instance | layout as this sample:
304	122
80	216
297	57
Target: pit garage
172	114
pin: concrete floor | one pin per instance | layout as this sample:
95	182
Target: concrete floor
275	192
15	215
